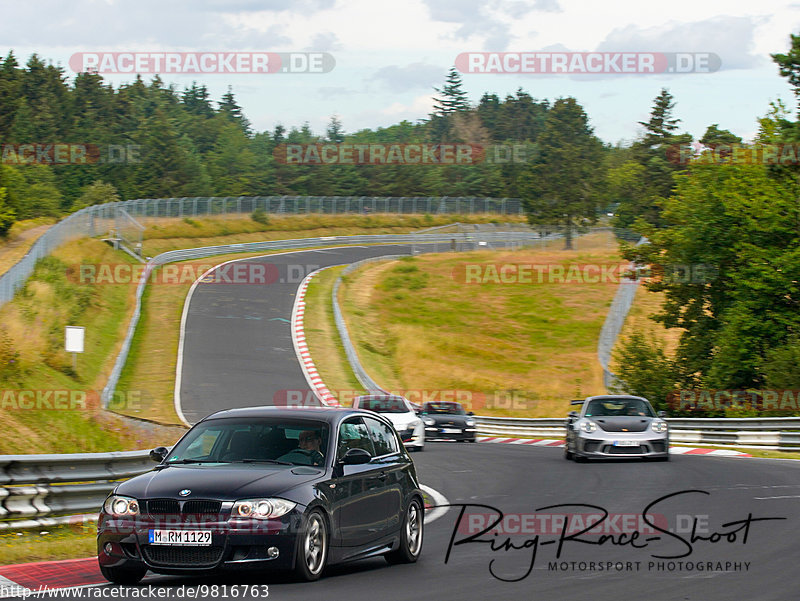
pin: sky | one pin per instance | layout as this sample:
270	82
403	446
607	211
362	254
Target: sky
390	55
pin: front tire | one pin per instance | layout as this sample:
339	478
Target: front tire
312	548
122	575
410	535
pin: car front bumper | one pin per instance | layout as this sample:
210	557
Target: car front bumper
413	437
647	444
235	544
450	432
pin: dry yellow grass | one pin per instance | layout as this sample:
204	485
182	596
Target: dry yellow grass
165	234
21	237
514	349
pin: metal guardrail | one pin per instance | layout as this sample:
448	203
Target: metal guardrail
352	356
612	326
776	433
37	490
98	219
40	489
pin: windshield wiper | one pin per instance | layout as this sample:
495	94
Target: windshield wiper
250	460
183	462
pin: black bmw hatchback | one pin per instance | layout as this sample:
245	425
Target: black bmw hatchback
266	488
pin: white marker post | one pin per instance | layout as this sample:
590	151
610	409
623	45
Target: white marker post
73	343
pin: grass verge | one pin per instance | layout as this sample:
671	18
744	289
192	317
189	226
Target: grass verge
20	238
509	349
165	234
51	543
324	341
47	405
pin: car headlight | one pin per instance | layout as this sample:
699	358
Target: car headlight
470	422
588	426
429	421
659	426
261	509
120	506
414	424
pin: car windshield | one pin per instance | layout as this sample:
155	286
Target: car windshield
253	440
619	408
384	404
447	408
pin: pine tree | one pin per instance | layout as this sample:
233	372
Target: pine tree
561	188
10	88
452	98
335	132
232	111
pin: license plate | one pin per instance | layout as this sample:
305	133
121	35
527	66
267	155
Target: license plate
626	443
180	537
451	431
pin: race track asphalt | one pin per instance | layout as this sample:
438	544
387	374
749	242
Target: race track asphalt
238	352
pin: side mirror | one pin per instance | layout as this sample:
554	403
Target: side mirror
470	413
356	457
572	414
158	454
662	414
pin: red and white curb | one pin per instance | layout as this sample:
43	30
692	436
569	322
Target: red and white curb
535	442
40	578
542	442
301	348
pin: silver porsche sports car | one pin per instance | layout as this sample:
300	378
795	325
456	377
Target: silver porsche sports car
616	426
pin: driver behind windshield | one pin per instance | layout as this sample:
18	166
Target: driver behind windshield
308	451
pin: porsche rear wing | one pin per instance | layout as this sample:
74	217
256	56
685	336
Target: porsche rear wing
578	402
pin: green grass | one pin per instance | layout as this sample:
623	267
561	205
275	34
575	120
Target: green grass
48	543
324	341
32	357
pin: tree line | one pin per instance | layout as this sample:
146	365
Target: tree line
735	212
157	141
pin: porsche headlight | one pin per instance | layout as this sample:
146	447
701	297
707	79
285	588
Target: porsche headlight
659	426
121	506
588	426
470	422
429	421
261	509
414	424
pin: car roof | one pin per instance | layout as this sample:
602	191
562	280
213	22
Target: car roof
331	415
615	397
375	397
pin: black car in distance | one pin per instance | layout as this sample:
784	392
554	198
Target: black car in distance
448	420
267	488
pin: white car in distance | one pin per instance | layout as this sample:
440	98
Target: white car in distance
401	412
